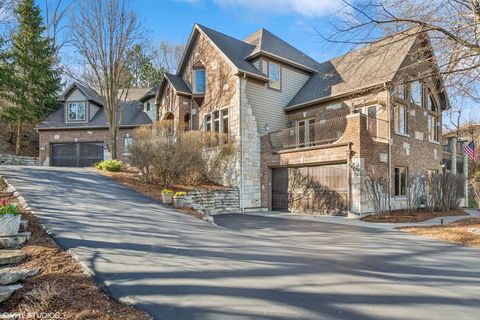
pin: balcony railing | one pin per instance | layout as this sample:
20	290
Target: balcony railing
309	133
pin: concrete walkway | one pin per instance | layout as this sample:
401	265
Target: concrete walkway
248	267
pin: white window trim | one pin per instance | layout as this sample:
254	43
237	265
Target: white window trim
77	103
279	75
124	144
307	141
212	121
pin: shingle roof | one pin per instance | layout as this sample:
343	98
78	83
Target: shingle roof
235	50
372	65
268	43
91	94
150	93
132	115
178	83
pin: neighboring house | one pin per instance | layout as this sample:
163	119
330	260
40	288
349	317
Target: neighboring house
76	133
307	131
454	142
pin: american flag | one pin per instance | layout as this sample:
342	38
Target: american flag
471	151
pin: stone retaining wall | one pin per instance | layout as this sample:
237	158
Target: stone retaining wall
214	201
10	159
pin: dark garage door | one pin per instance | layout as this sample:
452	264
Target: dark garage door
315	189
83	154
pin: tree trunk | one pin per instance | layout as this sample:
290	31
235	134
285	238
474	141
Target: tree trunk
113	143
19	139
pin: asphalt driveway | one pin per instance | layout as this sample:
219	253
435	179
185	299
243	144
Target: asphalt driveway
249	267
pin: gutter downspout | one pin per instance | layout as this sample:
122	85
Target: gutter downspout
389	110
242	184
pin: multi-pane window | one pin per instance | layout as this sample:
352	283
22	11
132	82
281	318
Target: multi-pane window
401	119
417	94
208	122
431	102
400	181
225	121
199	81
76	111
127	143
372	120
274	75
216	121
432	128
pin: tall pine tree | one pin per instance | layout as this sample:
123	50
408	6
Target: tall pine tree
32	81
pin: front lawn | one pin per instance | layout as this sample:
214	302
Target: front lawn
465	232
400	216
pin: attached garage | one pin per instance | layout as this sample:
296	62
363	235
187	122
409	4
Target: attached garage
310	189
78	154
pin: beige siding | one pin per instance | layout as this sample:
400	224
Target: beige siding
268	104
76	95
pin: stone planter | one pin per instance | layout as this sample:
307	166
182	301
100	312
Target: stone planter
167	198
9	224
179	201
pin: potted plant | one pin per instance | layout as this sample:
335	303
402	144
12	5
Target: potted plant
9	219
179	198
167	196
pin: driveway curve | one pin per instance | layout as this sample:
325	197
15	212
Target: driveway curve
248	267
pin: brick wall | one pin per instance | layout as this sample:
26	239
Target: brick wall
80	135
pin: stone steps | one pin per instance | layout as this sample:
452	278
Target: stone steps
12	275
24	225
11	257
14	241
7	291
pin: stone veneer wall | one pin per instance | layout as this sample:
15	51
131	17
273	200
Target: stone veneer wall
10	159
208	201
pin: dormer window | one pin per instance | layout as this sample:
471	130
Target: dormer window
147	106
76	111
199	81
274	75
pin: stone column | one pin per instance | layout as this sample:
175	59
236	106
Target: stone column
453	150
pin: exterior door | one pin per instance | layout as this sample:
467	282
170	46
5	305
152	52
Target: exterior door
280	189
83	154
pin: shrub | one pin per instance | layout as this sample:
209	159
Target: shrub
110	165
376	187
8	208
167	191
444	191
170	158
180	194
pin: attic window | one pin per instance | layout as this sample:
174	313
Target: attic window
76	111
274	75
199	81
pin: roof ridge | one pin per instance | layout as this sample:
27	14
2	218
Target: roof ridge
221	33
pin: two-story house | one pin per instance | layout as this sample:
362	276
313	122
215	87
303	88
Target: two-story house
308	132
76	133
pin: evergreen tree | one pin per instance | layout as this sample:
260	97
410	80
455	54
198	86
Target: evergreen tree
32	79
142	72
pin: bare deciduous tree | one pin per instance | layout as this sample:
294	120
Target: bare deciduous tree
167	55
376	186
104	32
453	27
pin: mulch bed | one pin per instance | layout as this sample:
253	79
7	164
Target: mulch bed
400	216
72	292
456	232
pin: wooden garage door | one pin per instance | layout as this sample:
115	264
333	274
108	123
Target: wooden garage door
83	154
316	189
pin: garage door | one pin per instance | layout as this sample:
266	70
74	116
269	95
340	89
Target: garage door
316	189
83	154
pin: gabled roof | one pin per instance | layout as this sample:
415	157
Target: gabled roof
234	50
268	44
178	83
132	116
89	93
150	93
372	65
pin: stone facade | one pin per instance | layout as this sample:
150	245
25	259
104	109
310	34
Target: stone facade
10	159
214	201
47	137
